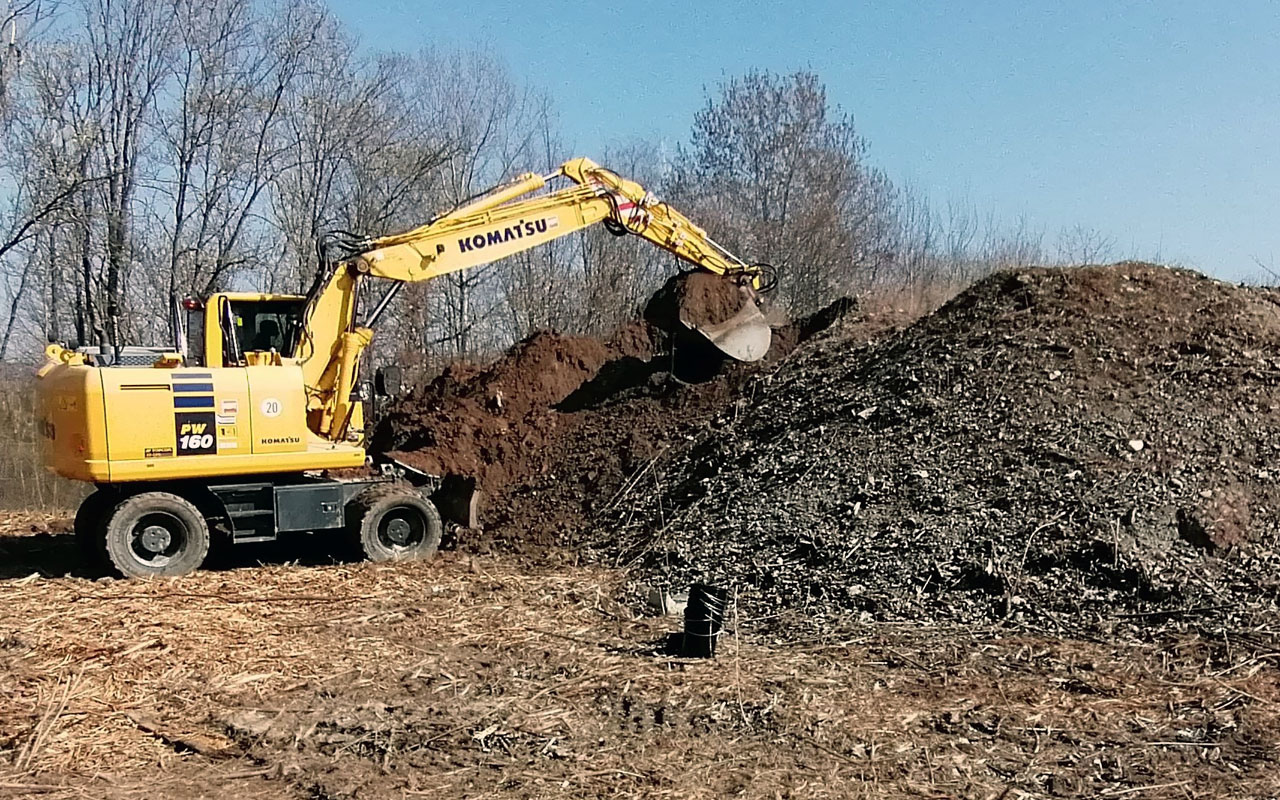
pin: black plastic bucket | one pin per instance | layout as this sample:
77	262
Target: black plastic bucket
703	620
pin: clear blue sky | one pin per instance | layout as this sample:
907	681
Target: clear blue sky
1157	123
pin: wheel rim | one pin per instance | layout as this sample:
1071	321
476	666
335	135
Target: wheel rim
157	539
402	529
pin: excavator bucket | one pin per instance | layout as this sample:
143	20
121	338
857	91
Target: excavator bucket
708	317
745	336
722	308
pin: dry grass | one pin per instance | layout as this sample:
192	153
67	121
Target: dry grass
492	678
907	303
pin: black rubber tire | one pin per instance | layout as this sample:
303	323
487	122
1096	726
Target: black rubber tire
185	526
384	513
91	524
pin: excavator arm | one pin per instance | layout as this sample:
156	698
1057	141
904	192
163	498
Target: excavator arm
503	222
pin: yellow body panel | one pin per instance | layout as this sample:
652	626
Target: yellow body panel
72	422
117	424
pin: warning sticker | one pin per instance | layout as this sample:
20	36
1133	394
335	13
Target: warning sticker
227	411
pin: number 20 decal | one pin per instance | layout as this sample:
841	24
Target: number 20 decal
270	407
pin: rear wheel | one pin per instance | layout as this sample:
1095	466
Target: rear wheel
91	523
395	523
156	534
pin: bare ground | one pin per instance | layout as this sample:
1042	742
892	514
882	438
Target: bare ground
493	677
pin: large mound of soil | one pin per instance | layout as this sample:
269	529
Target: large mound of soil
1095	446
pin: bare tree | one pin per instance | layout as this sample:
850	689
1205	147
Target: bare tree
1079	244
129	44
47	155
360	148
219	136
783	176
604	279
502	129
155	148
493	129
18	23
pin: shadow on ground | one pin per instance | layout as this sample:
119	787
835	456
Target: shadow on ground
54	555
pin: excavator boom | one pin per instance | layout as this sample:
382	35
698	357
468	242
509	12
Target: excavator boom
507	221
510	219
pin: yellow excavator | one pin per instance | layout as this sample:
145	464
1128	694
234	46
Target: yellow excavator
239	426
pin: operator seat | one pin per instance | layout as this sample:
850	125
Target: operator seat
268	336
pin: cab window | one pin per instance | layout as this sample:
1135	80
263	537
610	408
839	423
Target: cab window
264	325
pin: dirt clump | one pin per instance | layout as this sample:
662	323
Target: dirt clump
604	446
482	422
1078	448
704	298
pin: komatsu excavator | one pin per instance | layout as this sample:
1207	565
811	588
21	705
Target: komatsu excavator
237	428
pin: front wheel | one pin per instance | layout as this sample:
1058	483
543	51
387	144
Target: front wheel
395	523
156	534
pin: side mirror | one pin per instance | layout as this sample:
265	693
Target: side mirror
386	381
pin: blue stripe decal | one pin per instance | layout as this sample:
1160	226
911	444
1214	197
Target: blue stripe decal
186	376
193	387
193	402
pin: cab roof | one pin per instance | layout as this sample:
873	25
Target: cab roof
255	296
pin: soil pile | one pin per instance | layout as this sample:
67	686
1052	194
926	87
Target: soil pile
632	418
1060	448
558	428
485	423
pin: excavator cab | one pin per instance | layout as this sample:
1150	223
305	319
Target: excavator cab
236	329
263	326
